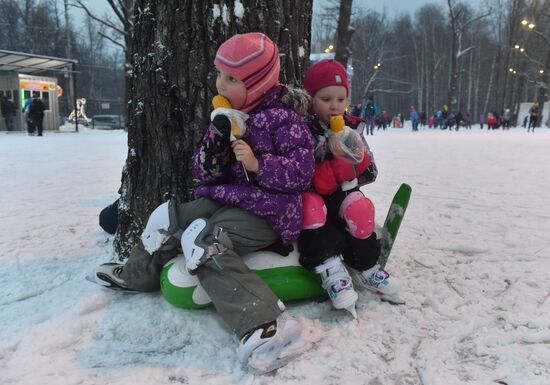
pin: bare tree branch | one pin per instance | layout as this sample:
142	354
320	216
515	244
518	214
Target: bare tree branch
371	79
98	19
390	91
393	80
117	12
464	51
111	40
543	36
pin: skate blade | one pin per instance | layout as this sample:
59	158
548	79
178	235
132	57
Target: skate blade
261	364
352	311
394	300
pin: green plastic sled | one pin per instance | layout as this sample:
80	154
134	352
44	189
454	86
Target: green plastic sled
284	275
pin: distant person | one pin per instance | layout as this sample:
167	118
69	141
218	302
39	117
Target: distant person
459	119
467	119
506	118
415	118
28	118
369	114
534	112
439	119
525	121
423	119
7	107
36	112
449	120
357	109
431	121
491	121
481	121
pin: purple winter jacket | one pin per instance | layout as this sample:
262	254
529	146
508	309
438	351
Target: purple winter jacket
283	145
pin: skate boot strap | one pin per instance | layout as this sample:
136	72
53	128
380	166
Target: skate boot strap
335	261
197	243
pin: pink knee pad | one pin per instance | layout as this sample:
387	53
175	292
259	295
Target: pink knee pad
358	212
315	211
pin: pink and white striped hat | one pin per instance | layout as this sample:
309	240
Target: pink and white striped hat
252	58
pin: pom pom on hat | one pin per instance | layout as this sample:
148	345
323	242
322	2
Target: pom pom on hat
252	58
327	72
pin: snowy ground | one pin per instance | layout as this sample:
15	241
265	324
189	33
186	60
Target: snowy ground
473	253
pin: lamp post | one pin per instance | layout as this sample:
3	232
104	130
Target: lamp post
544	82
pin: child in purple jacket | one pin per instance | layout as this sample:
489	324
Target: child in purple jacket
249	198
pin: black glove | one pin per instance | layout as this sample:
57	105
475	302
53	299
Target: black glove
223	125
217	144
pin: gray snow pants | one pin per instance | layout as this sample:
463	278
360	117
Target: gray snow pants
241	298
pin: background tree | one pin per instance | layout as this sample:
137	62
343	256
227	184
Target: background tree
344	32
171	84
460	19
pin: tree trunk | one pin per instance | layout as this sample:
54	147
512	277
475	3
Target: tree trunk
171	83
452	95
490	85
542	94
470	75
344	32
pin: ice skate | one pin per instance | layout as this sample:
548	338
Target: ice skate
378	281
338	284
108	276
273	345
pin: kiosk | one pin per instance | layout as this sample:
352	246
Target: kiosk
21	79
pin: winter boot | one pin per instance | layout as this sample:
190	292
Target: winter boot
338	284
378	280
108	275
272	345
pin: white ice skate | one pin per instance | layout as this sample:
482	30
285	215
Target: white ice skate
108	276
273	345
338	284
378	281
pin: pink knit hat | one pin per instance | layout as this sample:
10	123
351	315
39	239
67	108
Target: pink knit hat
254	59
327	72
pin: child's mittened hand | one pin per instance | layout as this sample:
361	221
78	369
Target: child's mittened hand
342	169
223	125
335	145
245	155
347	143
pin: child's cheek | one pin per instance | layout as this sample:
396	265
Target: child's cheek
237	97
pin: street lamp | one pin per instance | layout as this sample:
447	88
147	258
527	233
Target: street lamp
528	24
541	72
329	48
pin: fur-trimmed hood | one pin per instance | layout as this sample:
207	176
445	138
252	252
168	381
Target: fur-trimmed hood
297	99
